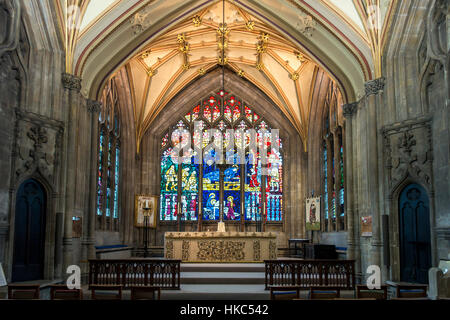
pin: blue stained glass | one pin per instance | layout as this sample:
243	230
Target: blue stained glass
274	187
211	196
169	187
108	182
116	184
232	193
252	187
189	196
100	174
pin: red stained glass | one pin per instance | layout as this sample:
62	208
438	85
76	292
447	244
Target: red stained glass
248	114
165	140
236	113
216	112
207	113
227	112
195	113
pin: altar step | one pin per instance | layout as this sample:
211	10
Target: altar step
220	281
223	273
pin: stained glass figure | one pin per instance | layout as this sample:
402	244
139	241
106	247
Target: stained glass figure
100	195
116	183
274	187
252	187
169	187
189	191
211	190
232	193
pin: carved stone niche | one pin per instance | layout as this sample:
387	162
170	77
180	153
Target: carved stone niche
408	151
38	144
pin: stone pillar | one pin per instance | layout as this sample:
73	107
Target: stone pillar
352	238
4	228
374	102
72	85
88	241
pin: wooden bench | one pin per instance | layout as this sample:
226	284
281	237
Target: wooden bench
106	292
145	293
23	291
324	293
285	292
402	290
61	292
363	292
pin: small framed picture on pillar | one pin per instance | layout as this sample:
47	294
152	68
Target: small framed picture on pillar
145	205
366	226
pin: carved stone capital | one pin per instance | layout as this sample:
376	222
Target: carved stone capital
374	87
93	106
71	82
350	109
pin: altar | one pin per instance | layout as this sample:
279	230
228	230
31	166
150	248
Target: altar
220	246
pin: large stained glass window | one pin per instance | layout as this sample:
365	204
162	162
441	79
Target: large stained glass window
208	190
108	183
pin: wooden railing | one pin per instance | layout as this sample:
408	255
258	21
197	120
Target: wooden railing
307	273
164	273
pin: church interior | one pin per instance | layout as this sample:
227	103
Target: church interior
224	149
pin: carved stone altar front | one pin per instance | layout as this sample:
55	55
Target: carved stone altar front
220	246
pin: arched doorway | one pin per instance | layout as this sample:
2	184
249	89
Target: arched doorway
415	243
29	237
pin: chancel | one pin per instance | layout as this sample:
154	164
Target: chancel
218	149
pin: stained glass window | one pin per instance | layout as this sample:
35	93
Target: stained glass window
199	189
108	178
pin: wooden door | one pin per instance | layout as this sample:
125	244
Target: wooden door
29	237
415	246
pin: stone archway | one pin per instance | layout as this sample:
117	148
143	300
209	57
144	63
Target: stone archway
294	156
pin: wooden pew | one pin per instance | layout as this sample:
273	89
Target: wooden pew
285	292
145	293
23	291
363	292
324	293
61	292
107	292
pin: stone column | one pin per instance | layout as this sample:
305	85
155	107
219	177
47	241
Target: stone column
72	85
330	186
374	101
353	250
88	241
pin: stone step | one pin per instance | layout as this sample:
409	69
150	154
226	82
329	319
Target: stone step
222	277
223	267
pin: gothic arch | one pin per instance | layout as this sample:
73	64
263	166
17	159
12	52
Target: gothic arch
294	159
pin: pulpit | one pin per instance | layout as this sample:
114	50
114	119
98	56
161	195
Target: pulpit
220	246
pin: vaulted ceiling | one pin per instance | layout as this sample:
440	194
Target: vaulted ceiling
250	44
